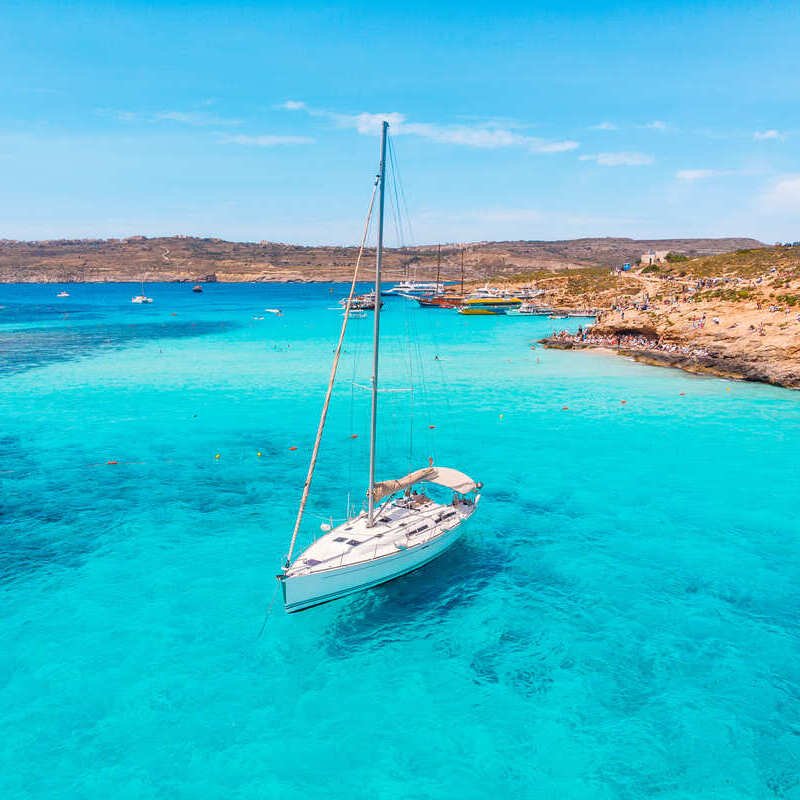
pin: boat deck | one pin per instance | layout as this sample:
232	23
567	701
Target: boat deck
399	525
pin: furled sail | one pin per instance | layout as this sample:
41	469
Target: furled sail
443	476
385	488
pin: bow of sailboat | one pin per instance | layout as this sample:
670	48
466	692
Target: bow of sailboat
407	521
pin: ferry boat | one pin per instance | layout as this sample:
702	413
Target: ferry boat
489	305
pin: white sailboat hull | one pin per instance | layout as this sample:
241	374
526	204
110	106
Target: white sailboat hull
304	591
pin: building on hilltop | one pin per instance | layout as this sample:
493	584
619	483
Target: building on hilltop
654	257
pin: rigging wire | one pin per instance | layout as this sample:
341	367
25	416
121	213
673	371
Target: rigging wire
414	349
334	367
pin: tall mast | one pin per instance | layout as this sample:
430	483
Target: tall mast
376	335
438	264
462	271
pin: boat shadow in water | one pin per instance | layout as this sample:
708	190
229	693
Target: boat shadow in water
406	606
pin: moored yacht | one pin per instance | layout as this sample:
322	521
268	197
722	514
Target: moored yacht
404	525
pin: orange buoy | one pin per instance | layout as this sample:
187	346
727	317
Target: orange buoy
565	408
683	394
354	436
431	427
623	402
112	462
293	448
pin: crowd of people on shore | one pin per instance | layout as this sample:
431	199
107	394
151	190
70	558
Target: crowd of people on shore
638	342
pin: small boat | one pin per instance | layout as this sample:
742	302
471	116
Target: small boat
362	302
558	316
142	298
402	528
276	311
528	293
533	309
62	294
197	288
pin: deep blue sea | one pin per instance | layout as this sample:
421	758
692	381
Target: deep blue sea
621	618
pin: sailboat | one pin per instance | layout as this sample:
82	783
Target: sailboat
141	298
402	527
442	299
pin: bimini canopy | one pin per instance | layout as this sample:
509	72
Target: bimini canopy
443	476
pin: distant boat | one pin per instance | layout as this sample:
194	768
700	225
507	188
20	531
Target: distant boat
489	305
141	298
413	289
276	311
533	309
362	302
197	288
440	301
63	294
528	293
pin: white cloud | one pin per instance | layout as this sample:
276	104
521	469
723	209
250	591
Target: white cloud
604	126
483	135
266	140
769	135
656	125
782	196
193	118
197	118
697	174
622	159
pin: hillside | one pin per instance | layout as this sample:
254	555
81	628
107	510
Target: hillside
734	315
180	258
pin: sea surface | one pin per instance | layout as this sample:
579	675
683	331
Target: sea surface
621	618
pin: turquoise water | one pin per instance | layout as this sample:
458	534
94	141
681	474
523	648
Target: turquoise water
620	619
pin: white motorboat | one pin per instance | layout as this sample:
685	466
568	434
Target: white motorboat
528	293
362	302
402	527
414	289
534	309
62	294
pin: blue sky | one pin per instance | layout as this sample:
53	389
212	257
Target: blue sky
511	120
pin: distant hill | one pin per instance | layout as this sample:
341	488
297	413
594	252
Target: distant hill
180	258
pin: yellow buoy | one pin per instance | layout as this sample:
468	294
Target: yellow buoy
217	455
259	454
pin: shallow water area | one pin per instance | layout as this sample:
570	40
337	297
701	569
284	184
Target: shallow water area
619	619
